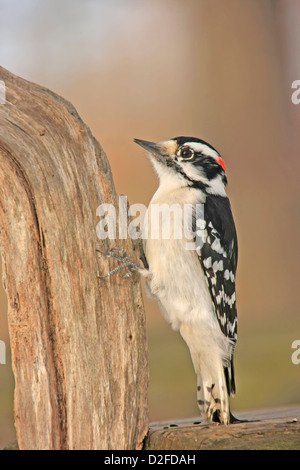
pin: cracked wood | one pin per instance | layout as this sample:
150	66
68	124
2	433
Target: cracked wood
78	343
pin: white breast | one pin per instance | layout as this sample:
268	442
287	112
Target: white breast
178	281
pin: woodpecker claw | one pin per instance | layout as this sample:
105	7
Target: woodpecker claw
126	263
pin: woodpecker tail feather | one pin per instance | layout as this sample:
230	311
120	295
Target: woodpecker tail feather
212	398
215	381
229	378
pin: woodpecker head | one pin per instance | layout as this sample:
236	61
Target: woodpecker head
187	161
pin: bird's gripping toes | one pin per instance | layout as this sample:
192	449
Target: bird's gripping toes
195	287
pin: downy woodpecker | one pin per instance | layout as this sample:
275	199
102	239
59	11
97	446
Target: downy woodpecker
196	287
192	276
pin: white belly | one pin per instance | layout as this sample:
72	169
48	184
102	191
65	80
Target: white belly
178	282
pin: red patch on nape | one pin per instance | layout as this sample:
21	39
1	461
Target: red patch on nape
221	162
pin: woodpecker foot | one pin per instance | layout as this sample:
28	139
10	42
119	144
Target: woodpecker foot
120	255
232	420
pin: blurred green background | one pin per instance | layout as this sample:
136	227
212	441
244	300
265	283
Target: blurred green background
221	71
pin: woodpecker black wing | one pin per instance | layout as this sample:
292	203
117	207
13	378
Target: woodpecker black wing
217	250
218	253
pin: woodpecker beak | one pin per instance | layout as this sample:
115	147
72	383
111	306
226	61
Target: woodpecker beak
150	146
161	151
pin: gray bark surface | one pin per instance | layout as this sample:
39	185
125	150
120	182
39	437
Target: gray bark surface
78	342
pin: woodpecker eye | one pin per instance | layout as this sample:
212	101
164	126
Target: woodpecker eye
187	153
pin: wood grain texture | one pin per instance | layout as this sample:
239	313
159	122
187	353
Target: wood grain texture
275	429
78	343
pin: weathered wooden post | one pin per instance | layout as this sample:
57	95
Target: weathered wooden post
78	342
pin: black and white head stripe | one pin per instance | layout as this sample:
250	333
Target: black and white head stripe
188	161
199	160
197	143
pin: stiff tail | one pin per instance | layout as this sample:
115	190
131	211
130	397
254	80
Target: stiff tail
229	378
212	360
212	398
213	392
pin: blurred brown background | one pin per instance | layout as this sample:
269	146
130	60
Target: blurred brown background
221	71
